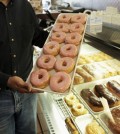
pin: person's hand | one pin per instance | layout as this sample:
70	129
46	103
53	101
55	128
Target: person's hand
16	83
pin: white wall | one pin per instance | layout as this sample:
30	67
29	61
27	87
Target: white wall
95	4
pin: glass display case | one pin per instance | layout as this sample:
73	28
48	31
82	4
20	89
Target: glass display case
102	54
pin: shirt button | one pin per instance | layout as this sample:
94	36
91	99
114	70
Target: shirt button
10	23
15	71
12	40
14	55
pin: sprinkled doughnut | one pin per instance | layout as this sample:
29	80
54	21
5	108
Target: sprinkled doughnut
73	38
65	64
51	48
39	78
61	27
78	18
64	18
58	36
46	61
60	82
68	50
77	27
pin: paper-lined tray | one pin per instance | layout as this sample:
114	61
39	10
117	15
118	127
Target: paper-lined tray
91	86
75	107
53	71
93	65
87	123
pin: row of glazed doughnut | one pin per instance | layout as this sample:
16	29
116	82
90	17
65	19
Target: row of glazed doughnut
53	48
64	27
67	38
72	18
65	30
59	82
49	62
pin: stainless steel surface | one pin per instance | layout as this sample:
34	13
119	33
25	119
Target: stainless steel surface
54	121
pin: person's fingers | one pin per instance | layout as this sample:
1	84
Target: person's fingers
22	90
36	91
27	86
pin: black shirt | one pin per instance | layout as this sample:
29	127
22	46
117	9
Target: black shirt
18	31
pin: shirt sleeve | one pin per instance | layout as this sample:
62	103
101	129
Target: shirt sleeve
3	79
40	35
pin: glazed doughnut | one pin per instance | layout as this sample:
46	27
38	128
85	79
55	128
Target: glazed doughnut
51	48
61	27
71	99
77	109
78	18
65	64
39	78
77	27
94	128
60	82
69	50
58	36
73	38
65	18
46	61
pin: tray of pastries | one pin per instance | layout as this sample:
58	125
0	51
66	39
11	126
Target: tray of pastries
75	107
93	65
96	71
91	92
54	68
114	127
84	121
89	125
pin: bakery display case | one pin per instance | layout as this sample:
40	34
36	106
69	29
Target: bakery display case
102	69
97	75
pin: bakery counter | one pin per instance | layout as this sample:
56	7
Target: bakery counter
98	75
51	119
108	36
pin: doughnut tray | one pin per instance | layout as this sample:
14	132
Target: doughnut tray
53	70
84	120
91	85
80	121
69	108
